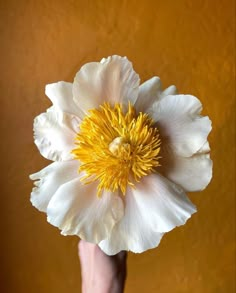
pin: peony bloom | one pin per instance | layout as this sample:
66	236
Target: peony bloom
123	154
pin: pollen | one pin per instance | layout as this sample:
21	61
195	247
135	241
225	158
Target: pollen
116	147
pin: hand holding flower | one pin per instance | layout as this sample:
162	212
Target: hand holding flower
101	273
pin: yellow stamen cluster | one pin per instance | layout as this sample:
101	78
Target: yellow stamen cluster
116	147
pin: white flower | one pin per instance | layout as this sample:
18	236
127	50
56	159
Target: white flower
124	155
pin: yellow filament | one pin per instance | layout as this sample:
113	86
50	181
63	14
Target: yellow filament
116	147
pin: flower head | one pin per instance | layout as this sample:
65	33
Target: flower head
124	155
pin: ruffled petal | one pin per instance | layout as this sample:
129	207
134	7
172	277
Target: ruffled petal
154	207
180	124
49	179
171	90
137	243
54	134
112	80
204	149
150	92
60	93
76	210
192	174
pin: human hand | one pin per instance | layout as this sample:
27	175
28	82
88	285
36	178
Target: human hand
101	273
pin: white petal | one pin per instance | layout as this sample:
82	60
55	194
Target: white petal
112	80
76	210
171	90
204	149
60	93
138	242
54	134
150	92
154	207
192	174
49	180
180	124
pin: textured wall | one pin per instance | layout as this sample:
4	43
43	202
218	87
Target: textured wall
188	43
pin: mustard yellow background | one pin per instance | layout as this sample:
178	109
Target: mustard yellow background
187	43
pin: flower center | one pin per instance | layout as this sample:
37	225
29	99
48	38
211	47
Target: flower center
116	147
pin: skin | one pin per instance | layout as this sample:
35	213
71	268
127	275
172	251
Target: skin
101	273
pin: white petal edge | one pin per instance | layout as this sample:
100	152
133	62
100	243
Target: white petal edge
54	134
112	80
76	210
150	92
204	149
60	93
192	173
49	179
171	90
137	244
180	124
154	207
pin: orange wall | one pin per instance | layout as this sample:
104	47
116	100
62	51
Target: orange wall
188	43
